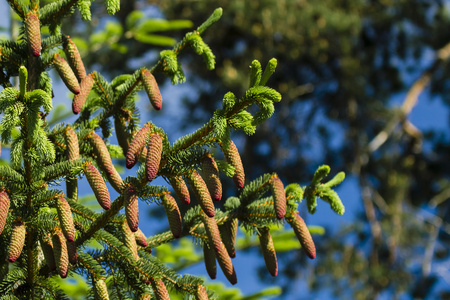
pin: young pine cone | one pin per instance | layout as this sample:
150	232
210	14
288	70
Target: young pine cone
226	265
85	88
212	232
173	214
72	252
66	74
154	152
73	150
17	241
60	253
210	261
201	293
234	159
180	188
47	250
152	89
201	193
160	290
303	235
4	208
136	146
74	59
141	240
101	290
268	250
65	218
279	197
130	240
33	33
211	177
98	186
228	232
132	208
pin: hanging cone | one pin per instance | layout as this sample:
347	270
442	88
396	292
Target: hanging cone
268	250
105	162
132	208
4	208
211	177
72	252
17	241
279	197
101	290
74	59
160	290
66	74
73	151
212	232
47	250
65	218
173	214
234	159
60	253
154	151
303	235
228	232
226	265
130	240
201	293
98	186
152	89
136	146
201	193
85	88
180	188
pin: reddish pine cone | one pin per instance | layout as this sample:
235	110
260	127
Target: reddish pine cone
226	265
210	261
132	208
152	89
4	208
33	34
160	290
211	177
201	193
212	232
72	252
279	197
74	59
136	147
60	253
303	235
101	290
268	250
73	151
98	186
201	293
234	159
130	240
120	126
173	215
85	88
154	151
105	162
66	74
228	232
17	241
141	240
180	188
65	218
47	250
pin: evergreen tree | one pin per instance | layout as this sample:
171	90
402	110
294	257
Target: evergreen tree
46	232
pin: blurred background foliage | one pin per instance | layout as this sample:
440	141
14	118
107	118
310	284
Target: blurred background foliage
351	73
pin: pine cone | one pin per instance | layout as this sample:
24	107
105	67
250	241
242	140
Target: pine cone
152	89
201	193
226	265
130	240
234	159
72	252
66	74
33	34
132	208
17	241
136	147
105	162
73	151
173	215
4	208
211	177
85	88
65	218
180	188
268	250
74	59
210	261
279	197
303	235
201	293
101	290
154	151
98	186
60	253
212	232
160	290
